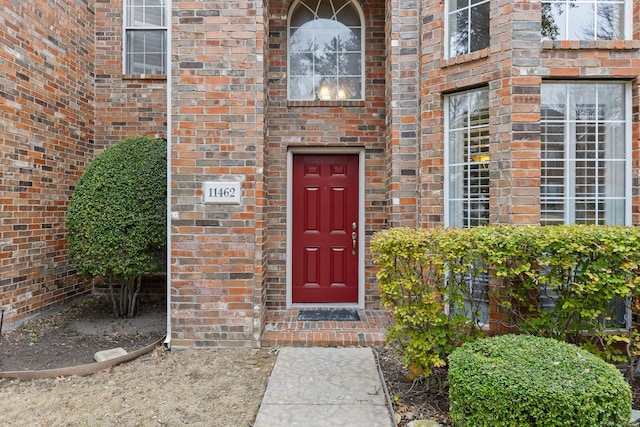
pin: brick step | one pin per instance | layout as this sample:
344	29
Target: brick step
282	328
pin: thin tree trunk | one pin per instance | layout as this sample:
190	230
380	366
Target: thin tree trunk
134	298
113	297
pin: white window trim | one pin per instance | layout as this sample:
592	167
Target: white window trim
165	28
627	30
293	7
447	30
569	212
447	170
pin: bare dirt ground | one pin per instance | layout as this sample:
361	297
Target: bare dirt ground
181	387
195	387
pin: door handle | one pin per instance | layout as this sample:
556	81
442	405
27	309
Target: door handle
354	240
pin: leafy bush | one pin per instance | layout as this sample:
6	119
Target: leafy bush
519	380
117	216
420	271
556	282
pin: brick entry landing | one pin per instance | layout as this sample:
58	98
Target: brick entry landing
282	328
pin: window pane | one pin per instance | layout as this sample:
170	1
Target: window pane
553	21
350	41
610	21
336	64
611	96
326	64
584	20
301	88
581	22
456	181
301	41
458	4
349	64
145	52
300	16
349	88
479	38
348	15
583	157
301	64
458	33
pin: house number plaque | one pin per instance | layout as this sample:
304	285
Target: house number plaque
222	192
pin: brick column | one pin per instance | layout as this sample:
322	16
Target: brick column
217	136
515	114
402	29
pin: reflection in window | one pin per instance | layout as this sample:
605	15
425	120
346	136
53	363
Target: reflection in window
325	50
468	184
468	24
583	154
468	165
583	20
145	37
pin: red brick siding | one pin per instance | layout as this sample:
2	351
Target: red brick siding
513	67
323	124
402	33
46	140
126	104
218	134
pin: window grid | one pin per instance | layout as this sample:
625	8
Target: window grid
467	26
584	19
576	166
468	126
145	37
325	55
475	169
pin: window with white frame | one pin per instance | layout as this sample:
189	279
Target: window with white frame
325	50
584	150
467	26
467	188
585	19
145	47
585	173
468	158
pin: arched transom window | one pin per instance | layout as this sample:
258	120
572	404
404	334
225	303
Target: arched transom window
325	50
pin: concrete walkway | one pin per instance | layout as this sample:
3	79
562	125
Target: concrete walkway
318	387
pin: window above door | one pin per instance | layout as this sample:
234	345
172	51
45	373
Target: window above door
325	50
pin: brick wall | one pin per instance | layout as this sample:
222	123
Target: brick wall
513	68
402	31
126	104
323	124
46	140
218	135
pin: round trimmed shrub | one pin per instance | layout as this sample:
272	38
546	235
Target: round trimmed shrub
521	380
117	216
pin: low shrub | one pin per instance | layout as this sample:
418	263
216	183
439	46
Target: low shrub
521	380
446	286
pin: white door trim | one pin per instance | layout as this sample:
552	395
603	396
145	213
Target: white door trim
361	224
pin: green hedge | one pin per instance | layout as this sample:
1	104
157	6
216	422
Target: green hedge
117	217
426	275
519	380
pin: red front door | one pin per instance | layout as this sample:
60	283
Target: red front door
325	228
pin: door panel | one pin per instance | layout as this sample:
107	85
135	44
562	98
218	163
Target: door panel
325	208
